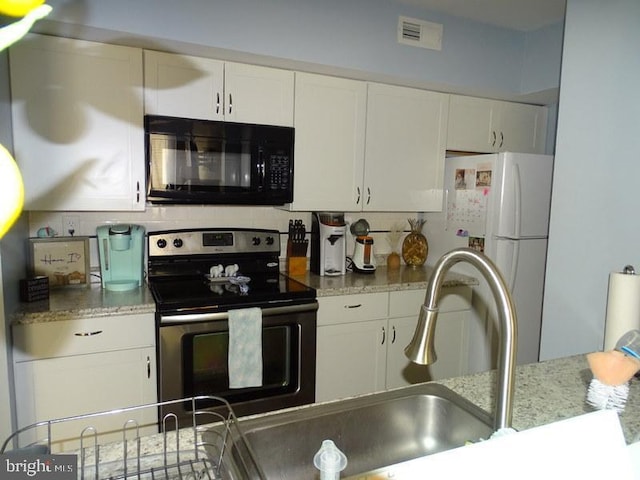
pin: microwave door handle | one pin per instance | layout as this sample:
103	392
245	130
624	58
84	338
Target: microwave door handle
261	167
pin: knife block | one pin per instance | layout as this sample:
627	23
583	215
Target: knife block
296	264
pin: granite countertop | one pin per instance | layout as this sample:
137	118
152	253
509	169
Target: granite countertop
382	280
545	392
93	301
82	302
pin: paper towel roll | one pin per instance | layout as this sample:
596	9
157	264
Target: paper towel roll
623	307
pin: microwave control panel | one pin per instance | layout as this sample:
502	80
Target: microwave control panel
279	174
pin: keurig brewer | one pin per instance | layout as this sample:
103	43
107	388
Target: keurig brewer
121	250
328	243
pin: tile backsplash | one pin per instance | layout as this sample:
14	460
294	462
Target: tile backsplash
200	216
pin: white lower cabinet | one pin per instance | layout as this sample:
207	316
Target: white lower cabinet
361	340
74	367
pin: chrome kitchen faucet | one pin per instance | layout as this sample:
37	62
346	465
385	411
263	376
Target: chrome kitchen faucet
421	350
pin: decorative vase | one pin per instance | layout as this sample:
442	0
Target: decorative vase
415	247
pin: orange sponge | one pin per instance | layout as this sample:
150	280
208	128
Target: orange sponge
612	367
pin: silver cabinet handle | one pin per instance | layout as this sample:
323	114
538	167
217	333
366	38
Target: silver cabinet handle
138	191
218	102
357	305
148	367
358	199
501	139
384	336
368	195
230	103
88	334
393	338
493	136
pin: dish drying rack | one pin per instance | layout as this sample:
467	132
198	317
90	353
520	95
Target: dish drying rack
168	453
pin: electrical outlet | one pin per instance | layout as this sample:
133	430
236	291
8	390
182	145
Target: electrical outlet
70	225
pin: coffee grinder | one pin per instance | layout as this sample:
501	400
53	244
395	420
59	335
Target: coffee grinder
121	251
328	243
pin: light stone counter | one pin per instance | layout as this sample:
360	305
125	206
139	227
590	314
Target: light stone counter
382	280
93	301
545	392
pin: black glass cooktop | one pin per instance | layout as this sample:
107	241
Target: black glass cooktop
181	294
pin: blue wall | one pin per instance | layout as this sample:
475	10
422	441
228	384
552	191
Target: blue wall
351	34
594	214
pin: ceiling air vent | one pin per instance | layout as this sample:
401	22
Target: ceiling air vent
419	33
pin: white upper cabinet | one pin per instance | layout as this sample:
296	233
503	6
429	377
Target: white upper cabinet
368	147
483	125
405	149
203	88
330	117
78	133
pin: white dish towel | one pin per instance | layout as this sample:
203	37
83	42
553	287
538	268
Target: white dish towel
245	348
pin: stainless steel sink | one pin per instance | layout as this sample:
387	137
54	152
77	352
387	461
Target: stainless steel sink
373	431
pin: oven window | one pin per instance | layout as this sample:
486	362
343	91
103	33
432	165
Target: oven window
206	372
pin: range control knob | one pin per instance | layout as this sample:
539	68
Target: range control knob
161	243
255	241
270	240
177	242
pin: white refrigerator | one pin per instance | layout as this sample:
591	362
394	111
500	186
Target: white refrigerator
499	204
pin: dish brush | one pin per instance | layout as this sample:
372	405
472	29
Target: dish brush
612	370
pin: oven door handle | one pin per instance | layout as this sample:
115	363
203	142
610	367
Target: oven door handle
207	317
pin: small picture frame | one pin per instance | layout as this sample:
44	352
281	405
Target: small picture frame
65	260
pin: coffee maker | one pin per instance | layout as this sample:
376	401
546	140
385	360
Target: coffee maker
328	243
121	251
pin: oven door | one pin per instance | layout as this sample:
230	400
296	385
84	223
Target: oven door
193	361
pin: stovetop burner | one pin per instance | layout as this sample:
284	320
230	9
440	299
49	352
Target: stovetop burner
181	261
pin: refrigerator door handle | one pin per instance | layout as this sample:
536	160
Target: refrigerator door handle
515	255
518	198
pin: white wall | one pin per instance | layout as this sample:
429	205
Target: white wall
594	214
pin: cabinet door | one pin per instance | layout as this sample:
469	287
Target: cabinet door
183	86
523	127
451	340
258	94
472	124
329	148
77	124
351	359
451	345
405	149
487	126
68	386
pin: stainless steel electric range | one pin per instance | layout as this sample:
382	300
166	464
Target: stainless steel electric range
197	276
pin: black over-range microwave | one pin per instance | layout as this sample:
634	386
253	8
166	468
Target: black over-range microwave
213	162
